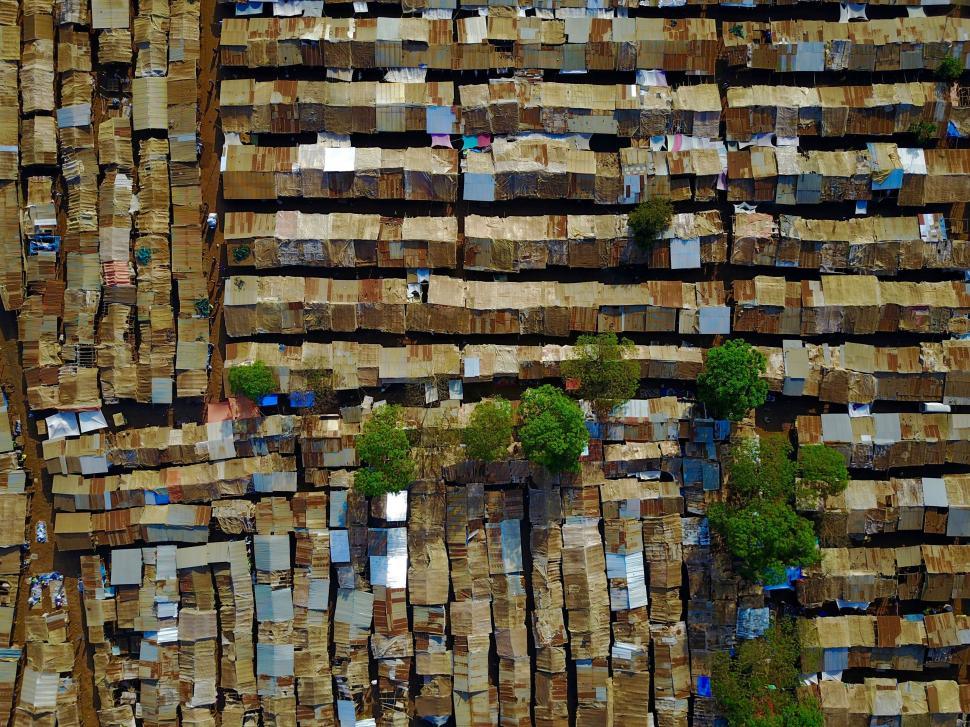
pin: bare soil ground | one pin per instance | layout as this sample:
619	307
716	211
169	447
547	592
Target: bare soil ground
211	130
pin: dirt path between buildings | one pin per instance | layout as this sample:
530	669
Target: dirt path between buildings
211	130
40	556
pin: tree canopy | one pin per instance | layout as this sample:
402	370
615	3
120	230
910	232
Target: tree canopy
731	383
553	431
757	687
489	432
950	69
254	380
761	467
758	523
765	536
384	453
603	367
823	469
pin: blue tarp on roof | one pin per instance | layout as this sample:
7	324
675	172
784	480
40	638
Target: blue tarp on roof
703	686
250	8
302	399
479	187
712	475
810	57
753	622
714	319
631	186
440	120
274	660
792	574
893	180
693	471
274	605
835	659
685	254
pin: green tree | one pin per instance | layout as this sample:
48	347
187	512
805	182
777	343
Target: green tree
924	131
649	219
553	431
761	467
731	382
203	307
823	468
489	432
766	536
757	687
603	366
950	69
758	523
254	380
384	453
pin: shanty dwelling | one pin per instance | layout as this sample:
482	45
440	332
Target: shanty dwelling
926	504
419	204
483	42
837	111
884	441
294	238
877	245
892	703
316	171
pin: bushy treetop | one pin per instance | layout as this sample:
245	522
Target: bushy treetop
553	431
765	536
489	432
731	383
823	469
649	219
604	367
254	380
761	467
757	687
384	453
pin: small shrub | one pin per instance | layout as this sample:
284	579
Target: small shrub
489	432
924	131
384	453
241	252
649	219
950	69
823	468
731	383
203	308
253	380
553	431
603	365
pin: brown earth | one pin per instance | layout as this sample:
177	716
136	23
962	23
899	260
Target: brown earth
211	132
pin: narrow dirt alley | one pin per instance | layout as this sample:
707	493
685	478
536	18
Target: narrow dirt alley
211	133
40	556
